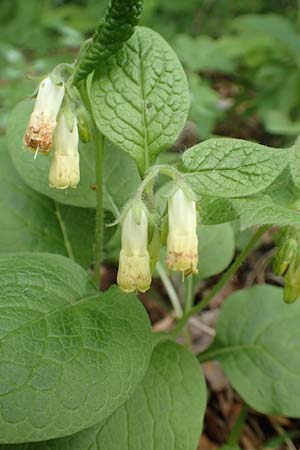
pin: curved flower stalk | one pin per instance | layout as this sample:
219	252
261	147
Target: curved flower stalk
43	118
64	170
182	243
134	263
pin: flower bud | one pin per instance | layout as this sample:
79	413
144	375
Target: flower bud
182	243
64	169
284	256
291	291
134	263
43	118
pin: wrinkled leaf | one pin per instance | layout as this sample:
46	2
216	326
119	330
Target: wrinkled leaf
164	413
140	97
232	167
69	355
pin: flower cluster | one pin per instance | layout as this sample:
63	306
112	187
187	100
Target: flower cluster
182	243
49	127
287	262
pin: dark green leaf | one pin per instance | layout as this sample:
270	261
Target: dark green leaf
257	343
165	412
69	355
118	25
232	167
140	97
31	222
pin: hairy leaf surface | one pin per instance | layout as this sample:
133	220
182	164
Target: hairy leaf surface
164	413
140	97
69	355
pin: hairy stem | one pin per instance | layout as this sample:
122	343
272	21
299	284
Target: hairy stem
170	289
99	147
225	278
189	292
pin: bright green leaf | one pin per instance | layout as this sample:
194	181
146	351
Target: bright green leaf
232	167
216	249
140	97
257	344
261	209
164	413
69	355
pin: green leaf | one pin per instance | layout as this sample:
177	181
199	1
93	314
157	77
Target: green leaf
164	413
215	210
232	167
261	209
69	355
216	249
31	222
295	164
257	344
35	172
118	25
140	97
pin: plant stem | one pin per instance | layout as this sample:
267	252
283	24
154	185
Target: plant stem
225	278
170	289
235	433
99	146
189	292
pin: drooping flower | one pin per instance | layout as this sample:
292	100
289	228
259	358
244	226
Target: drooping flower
134	263
64	169
43	118
182	243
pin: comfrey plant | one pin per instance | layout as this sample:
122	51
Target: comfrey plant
81	369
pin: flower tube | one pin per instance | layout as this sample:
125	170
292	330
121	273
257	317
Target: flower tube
182	243
134	263
64	169
43	118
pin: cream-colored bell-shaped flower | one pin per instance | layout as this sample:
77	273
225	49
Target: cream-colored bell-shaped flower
134	272
182	243
43	118
64	169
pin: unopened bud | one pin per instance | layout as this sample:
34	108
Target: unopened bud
291	291
182	244
134	263
43	118
64	169
284	256
84	128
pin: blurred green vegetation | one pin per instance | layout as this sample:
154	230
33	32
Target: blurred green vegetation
242	57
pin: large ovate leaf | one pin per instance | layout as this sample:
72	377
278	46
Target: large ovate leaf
216	249
164	413
69	355
140	97
31	222
257	343
261	209
35	171
232	167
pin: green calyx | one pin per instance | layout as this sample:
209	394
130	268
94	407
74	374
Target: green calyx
287	262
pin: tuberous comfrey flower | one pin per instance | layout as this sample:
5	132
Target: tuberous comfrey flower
64	169
182	243
43	118
134	264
